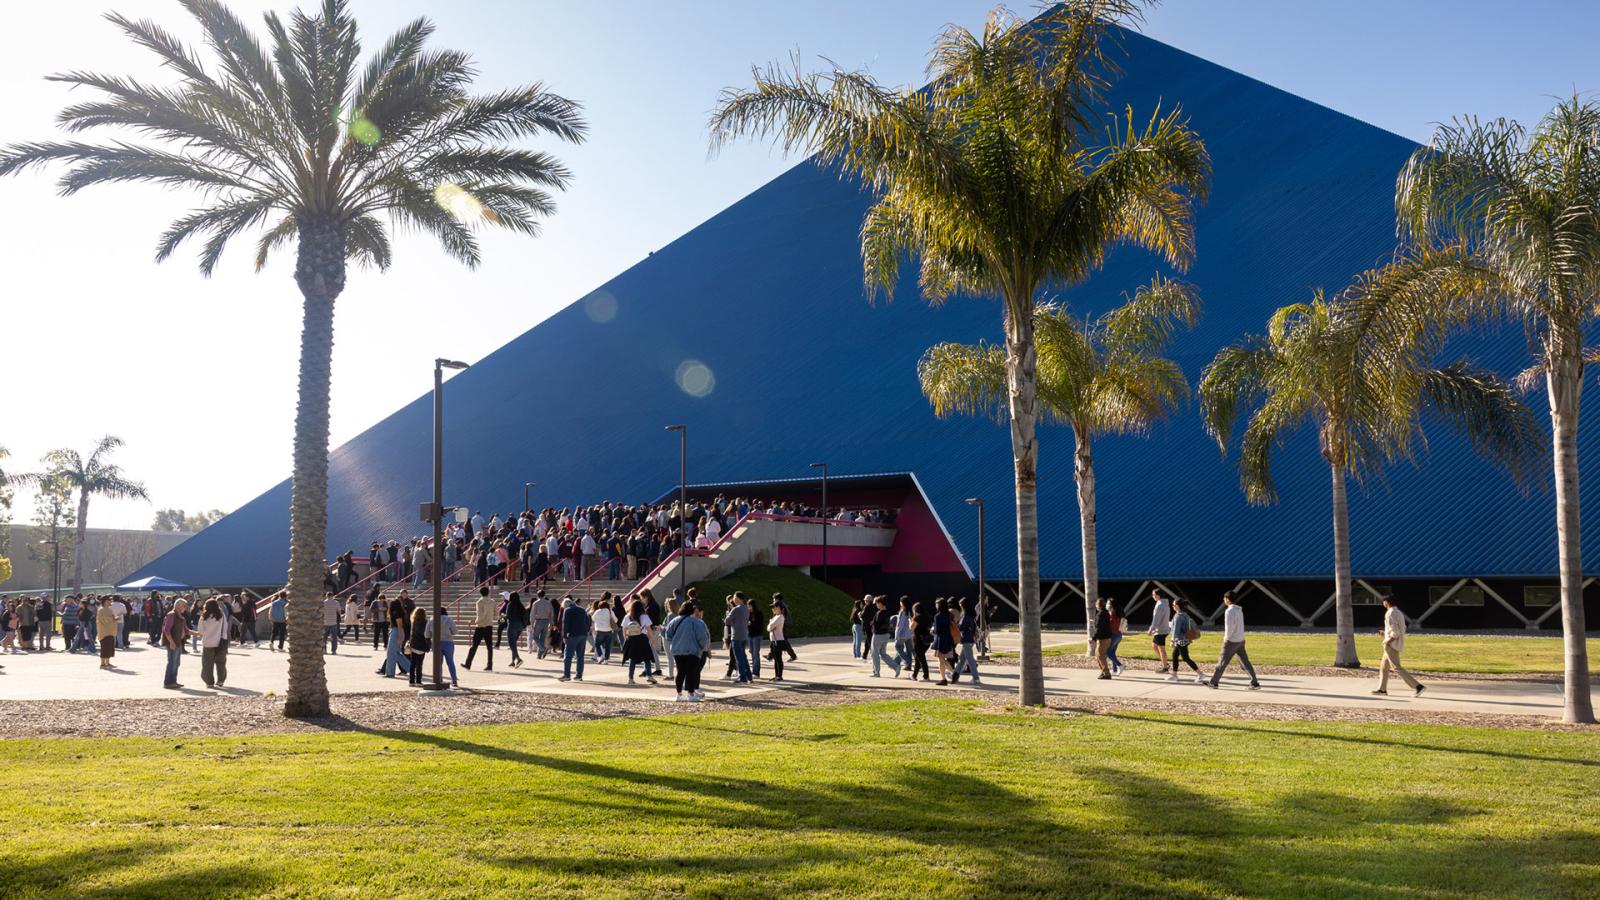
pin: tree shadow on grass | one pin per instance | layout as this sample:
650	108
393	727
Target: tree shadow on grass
132	869
1347	739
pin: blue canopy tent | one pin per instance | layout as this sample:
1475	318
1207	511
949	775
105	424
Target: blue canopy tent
152	583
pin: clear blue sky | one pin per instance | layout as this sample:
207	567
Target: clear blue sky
135	348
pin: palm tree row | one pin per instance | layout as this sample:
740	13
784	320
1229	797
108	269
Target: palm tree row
90	476
295	138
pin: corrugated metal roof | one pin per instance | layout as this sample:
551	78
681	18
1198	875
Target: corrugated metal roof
767	296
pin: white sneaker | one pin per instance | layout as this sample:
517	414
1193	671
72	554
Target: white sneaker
1200	679
694	698
1172	678
678	699
698	695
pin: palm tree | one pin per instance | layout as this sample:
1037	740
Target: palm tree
89	476
296	136
999	178
1105	376
1498	222
1320	364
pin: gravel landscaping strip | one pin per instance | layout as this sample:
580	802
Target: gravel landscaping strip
394	711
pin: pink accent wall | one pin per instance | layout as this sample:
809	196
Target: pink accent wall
919	542
811	555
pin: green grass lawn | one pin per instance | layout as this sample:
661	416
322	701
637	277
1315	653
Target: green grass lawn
815	609
1423	652
934	798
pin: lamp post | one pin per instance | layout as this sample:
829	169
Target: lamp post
983	606
436	509
824	467
683	506
525	486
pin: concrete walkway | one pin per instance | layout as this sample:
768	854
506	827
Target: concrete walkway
138	673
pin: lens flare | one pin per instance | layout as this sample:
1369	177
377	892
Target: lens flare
601	307
695	378
364	131
459	202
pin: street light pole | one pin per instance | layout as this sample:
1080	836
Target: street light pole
824	467
683	506
525	486
437	510
983	605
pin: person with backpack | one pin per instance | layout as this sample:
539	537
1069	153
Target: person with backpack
1185	631
1100	637
636	642
1233	642
1160	626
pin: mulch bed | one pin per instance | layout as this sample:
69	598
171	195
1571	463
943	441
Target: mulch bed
398	711
1079	661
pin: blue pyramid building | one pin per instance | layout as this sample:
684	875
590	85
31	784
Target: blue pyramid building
753	330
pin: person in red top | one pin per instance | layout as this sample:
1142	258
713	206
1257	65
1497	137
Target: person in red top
1115	612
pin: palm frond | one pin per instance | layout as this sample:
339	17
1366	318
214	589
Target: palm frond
965	378
1479	405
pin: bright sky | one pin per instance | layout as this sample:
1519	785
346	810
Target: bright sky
199	376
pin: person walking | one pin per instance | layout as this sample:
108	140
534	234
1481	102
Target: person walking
876	619
105	625
213	645
1185	631
903	636
354	608
779	641
278	617
967	628
944	643
417	644
758	631
484	613
636	642
378	615
738	637
1115	615
1100	635
394	657
688	640
1233	642
1160	626
921	640
516	621
1394	640
575	623
602	619
447	643
543	611
174	631
332	611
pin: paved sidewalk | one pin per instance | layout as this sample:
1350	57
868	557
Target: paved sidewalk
62	676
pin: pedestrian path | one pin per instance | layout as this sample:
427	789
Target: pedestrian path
825	662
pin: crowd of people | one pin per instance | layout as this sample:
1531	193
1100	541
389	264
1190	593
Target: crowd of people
524	549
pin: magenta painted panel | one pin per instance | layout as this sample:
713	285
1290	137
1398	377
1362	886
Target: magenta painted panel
811	555
919	544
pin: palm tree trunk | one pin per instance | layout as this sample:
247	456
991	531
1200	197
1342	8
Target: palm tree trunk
1344	614
1083	471
1022	389
77	546
319	271
1564	380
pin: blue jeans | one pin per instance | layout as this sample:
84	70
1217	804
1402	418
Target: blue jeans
649	667
173	655
602	645
514	631
858	639
330	633
394	660
967	662
755	655
447	649
572	649
880	655
902	652
1111	652
740	658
